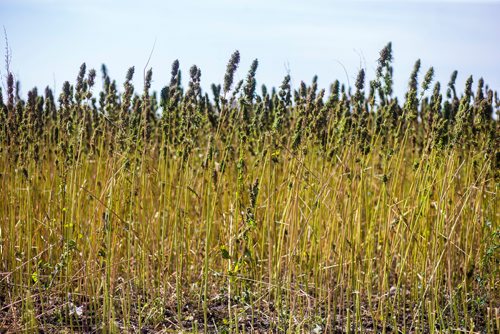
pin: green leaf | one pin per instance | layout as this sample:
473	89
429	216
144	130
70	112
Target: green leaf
34	277
224	252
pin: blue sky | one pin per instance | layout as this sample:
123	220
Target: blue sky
49	39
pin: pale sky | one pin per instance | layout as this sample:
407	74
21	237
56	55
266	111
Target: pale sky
49	39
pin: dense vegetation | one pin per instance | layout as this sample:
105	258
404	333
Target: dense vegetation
244	211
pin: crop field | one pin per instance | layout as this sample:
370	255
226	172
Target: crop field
249	209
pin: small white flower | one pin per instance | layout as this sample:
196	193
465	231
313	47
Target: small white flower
318	329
